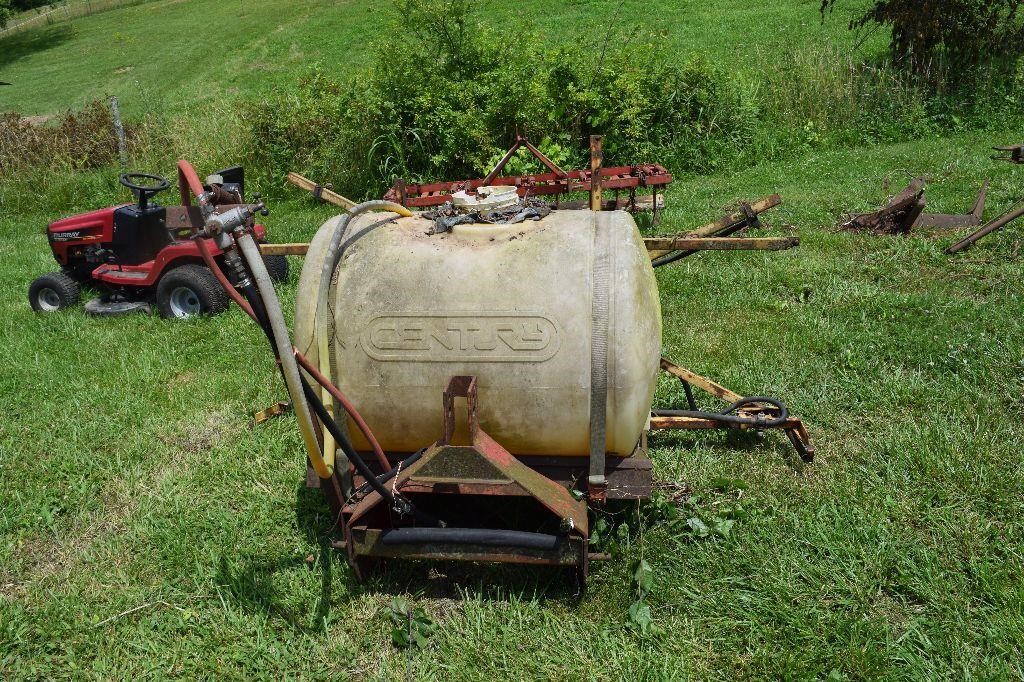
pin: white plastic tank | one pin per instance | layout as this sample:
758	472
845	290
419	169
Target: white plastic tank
514	305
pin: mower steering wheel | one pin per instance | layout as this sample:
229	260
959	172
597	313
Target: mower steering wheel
144	192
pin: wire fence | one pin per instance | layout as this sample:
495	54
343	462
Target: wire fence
65	11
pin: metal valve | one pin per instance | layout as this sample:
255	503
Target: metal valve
259	206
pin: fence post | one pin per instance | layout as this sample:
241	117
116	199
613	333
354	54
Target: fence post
122	151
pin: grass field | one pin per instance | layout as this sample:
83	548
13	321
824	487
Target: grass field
139	53
148	530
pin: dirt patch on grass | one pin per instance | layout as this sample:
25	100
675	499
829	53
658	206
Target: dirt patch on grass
186	378
56	553
197	436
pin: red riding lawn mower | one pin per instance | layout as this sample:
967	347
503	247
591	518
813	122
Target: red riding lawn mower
143	252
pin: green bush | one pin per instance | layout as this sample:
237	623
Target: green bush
946	41
446	104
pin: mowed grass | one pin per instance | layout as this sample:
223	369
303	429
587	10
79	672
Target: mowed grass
165	55
148	529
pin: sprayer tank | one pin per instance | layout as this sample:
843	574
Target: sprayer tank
523	307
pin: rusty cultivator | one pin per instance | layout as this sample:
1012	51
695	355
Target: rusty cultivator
554	184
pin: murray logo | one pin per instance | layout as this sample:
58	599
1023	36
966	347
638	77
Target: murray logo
477	337
67	236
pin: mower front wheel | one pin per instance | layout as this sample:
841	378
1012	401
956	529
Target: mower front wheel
190	290
53	291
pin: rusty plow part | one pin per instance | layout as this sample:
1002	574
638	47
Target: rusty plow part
492	486
896	216
1013	153
990	227
719	235
905	212
792	426
322	192
944	221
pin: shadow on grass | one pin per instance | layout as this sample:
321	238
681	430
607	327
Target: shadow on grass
731	442
464	581
432	579
251	583
23	43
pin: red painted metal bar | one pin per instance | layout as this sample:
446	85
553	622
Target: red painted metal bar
616	177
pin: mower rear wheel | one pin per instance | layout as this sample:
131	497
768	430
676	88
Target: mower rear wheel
277	267
190	290
53	291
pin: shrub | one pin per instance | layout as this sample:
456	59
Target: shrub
447	103
940	39
82	139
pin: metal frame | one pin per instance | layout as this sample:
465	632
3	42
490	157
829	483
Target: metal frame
555	182
793	426
481	468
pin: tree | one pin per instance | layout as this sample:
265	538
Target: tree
934	37
5	13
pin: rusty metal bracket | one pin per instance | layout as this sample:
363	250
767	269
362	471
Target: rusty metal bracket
538	154
275	410
793	426
1016	153
480	468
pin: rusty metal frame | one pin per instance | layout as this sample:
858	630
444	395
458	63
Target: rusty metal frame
989	227
793	426
1015	153
655	245
555	182
495	472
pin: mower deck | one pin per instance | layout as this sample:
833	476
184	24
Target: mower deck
101	308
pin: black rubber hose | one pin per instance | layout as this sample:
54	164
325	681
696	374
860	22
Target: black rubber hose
388	475
470	536
324	416
726	417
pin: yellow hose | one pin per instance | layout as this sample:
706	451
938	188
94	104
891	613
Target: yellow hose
321	326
